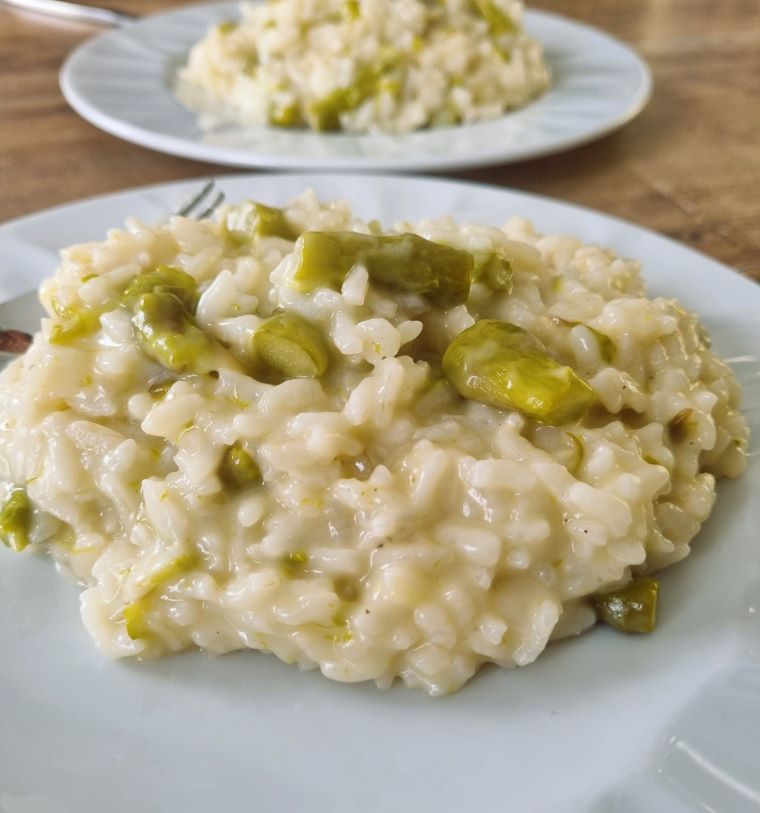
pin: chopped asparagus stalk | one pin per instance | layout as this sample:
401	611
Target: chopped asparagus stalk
324	114
607	347
294	563
682	425
178	567
297	557
351	9
291	347
503	365
495	270
160	389
238	469
164	280
404	262
633	608
167	334
135	613
16	519
324	259
498	21
286	114
579	453
250	220
134	618
342	633
73	323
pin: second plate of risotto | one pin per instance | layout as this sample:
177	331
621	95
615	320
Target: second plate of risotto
394	430
357	84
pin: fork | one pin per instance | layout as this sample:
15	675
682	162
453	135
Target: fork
74	11
14	342
193	207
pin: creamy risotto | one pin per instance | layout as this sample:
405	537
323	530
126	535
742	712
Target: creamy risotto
365	65
384	454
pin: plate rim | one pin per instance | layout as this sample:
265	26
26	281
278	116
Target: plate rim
236	157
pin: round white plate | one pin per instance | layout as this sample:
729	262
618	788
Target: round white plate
602	723
121	82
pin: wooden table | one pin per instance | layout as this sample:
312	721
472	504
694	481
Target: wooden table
689	166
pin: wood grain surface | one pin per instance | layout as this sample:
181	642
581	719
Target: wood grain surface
688	167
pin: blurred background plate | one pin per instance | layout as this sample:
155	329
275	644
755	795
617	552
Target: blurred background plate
121	82
605	723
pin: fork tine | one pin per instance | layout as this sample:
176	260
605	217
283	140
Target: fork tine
197	199
212	207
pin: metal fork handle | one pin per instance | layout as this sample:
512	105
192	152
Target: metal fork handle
74	11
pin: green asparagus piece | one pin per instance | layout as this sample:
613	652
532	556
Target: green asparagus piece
324	114
250	220
291	347
494	269
181	565
73	323
164	280
167	334
351	9
238	469
633	608
285	115
404	262
16	519
682	425
134	618
497	20
160	389
293	563
503	365
134	613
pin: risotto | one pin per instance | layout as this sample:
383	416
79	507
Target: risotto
399	453
364	65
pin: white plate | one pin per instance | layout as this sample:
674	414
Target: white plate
120	81
661	723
